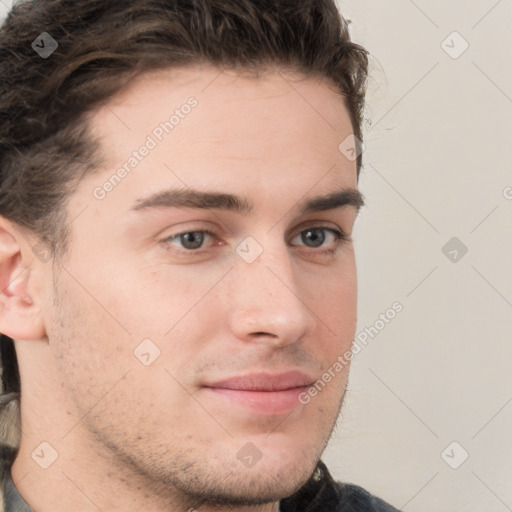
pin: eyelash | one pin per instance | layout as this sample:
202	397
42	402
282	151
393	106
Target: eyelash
340	239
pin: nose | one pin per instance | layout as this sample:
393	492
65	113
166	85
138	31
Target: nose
266	302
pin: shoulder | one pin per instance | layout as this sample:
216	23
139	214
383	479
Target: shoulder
10	499
322	493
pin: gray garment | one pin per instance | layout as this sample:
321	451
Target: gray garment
13	502
320	494
10	497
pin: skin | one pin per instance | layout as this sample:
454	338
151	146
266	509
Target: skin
136	437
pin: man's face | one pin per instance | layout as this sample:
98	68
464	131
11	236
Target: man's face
143	323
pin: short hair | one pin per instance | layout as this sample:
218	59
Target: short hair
46	147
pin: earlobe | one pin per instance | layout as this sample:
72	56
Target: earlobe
20	311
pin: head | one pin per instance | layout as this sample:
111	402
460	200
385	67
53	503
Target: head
150	123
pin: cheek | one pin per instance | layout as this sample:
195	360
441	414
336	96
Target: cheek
152	300
335	299
336	307
91	349
342	308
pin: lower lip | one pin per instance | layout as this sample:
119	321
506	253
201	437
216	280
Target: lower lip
262	402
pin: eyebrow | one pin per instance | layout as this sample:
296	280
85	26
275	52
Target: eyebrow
189	198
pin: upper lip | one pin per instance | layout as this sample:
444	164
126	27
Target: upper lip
265	381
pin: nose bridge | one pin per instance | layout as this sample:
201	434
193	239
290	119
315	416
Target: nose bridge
266	297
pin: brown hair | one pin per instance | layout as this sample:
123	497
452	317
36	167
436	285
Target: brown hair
45	145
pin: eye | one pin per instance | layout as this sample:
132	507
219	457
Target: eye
316	236
190	240
313	238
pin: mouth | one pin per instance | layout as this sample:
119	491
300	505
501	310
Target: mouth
262	393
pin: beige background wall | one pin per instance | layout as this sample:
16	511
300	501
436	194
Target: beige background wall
437	166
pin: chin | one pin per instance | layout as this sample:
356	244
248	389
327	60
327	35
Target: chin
258	485
284	463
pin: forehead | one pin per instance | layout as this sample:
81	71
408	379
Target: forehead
228	103
276	130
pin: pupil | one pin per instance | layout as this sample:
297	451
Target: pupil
185	238
317	240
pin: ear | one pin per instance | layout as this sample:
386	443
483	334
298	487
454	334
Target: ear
20	308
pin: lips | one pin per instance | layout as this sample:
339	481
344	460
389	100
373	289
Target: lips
265	381
263	393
